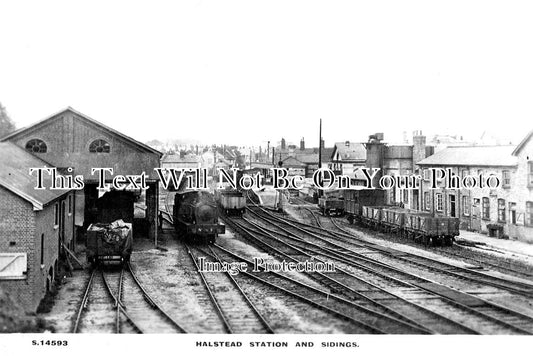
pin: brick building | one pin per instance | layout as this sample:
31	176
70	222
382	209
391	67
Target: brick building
397	160
303	161
33	226
72	139
507	210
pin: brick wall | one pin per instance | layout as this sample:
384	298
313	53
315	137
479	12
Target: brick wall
68	138
17	231
23	226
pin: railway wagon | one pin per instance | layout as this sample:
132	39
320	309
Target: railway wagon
355	199
109	243
196	216
331	205
393	218
371	216
430	230
419	226
231	201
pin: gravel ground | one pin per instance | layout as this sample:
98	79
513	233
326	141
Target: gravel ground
513	301
67	301
470	257
171	279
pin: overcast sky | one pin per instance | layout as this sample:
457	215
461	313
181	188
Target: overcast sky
250	71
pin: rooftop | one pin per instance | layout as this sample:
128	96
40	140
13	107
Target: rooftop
15	176
87	119
495	156
350	151
176	158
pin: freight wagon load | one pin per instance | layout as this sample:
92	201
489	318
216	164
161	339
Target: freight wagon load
231	201
109	243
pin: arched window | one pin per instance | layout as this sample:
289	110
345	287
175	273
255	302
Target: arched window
99	146
36	146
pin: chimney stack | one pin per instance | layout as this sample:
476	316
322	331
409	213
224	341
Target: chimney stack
302	144
419	148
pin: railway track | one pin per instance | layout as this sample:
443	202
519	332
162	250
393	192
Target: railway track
232	305
99	309
480	261
472	274
360	288
230	313
364	304
509	268
114	301
492	318
310	300
370	251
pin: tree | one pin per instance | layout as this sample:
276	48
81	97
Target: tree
6	124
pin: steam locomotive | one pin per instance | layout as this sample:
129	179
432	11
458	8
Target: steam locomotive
196	216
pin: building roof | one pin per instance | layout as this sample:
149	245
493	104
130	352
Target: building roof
327	153
523	143
178	159
495	156
309	158
15	175
262	165
350	151
86	118
292	162
307	155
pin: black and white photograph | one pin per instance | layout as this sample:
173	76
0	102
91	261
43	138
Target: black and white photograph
249	176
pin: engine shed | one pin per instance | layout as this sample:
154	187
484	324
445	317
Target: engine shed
76	144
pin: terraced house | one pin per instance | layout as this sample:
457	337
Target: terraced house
503	212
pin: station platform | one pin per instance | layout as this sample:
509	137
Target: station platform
513	247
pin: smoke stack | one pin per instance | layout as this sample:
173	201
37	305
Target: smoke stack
302	144
283	144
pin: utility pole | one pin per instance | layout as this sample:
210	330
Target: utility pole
320	145
320	151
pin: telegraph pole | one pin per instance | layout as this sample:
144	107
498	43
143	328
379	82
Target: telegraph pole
320	145
320	151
